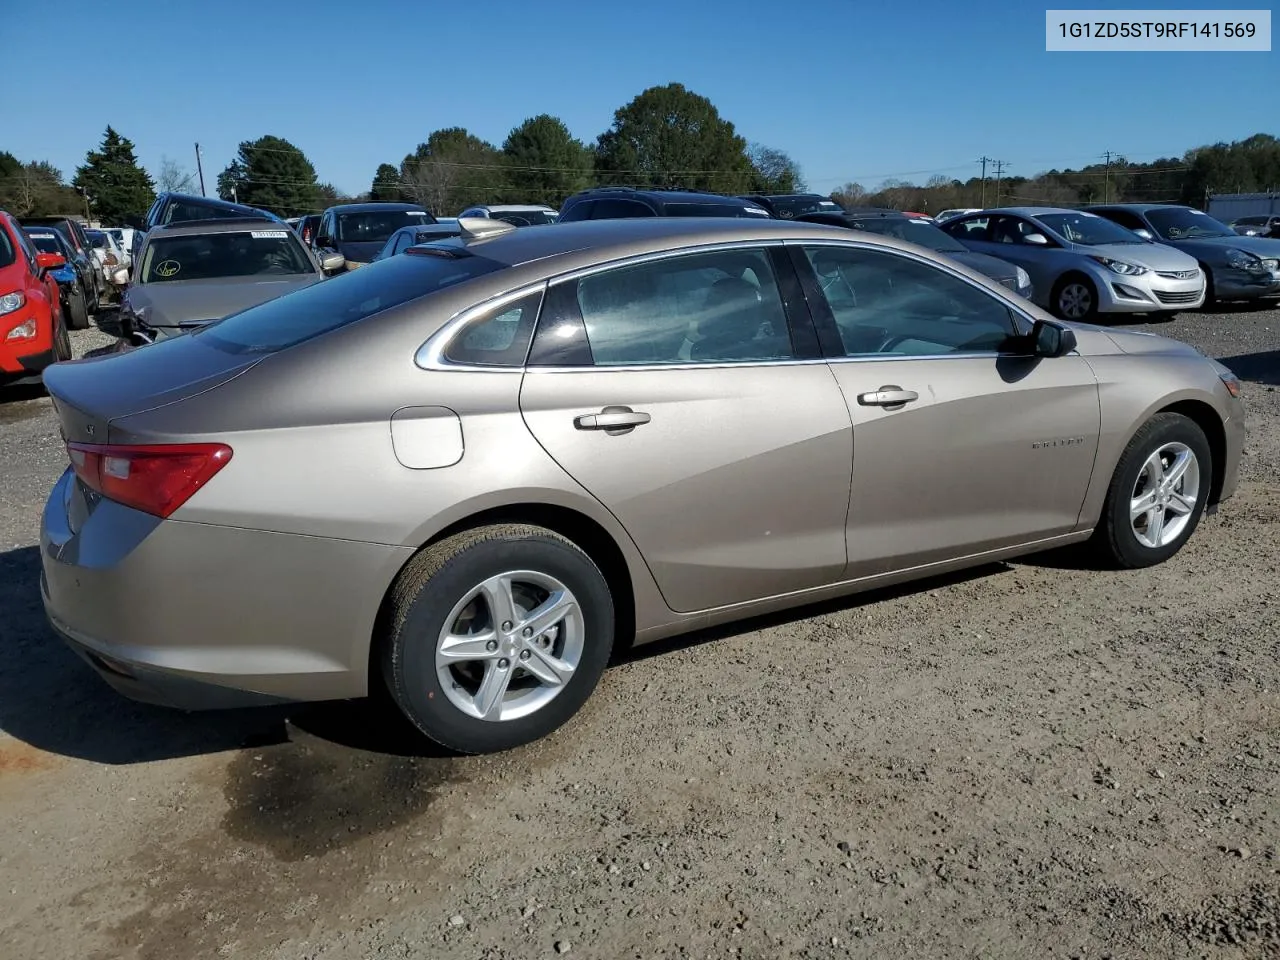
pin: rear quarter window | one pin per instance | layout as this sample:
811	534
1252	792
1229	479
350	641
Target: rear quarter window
347	298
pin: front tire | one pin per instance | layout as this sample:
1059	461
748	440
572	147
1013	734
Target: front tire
61	340
496	636
1157	494
1075	298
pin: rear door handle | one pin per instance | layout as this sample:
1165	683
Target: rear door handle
612	420
890	395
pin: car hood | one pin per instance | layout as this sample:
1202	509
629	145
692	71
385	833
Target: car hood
993	267
171	303
1157	256
1092	340
1264	247
362	251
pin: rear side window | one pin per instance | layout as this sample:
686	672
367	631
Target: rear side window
318	309
499	337
613	209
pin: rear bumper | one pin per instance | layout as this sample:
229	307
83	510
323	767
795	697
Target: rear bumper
201	616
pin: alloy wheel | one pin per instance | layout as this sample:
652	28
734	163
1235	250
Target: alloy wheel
1165	495
510	645
1075	301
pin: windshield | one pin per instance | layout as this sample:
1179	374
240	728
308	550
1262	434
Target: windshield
525	218
1251	221
376	226
712	210
99	240
913	231
348	297
46	242
788	207
1087	229
210	256
1183	223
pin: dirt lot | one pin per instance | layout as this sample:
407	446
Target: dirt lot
1030	760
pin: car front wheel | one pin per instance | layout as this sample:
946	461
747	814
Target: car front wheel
1075	298
496	636
1157	494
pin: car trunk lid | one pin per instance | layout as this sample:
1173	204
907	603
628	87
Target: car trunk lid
89	394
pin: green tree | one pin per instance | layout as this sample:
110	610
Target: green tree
545	163
671	137
35	189
386	183
272	173
116	186
773	171
451	170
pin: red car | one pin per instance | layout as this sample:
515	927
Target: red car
33	332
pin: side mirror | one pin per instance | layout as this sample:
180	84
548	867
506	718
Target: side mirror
120	276
1037	239
1051	340
332	262
50	261
1143	232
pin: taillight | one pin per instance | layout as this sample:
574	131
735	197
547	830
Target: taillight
111	260
153	478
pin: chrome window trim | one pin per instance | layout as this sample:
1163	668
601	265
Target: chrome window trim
430	356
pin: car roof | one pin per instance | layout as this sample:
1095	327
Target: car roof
579	243
373	206
513	207
218	202
190	228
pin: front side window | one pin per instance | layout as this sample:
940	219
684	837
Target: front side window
886	304
698	308
7	253
210	256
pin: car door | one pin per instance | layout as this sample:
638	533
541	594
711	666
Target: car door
682	393
962	442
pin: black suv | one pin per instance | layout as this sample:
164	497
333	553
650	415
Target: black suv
611	203
789	205
182	207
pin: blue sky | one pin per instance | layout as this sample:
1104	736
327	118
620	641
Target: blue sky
852	90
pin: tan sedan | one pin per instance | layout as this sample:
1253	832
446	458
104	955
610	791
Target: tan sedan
470	473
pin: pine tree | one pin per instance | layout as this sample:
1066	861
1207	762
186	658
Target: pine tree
114	183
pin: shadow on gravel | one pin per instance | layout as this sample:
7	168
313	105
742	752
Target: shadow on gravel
1262	367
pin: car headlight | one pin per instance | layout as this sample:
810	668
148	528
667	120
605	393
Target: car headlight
1024	278
11	302
1122	267
1242	260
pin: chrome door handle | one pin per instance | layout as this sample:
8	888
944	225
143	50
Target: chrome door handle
888	396
612	420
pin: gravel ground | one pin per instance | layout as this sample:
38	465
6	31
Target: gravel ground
1026	760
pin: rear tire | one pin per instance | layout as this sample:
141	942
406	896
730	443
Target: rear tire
1147	518
78	310
449	600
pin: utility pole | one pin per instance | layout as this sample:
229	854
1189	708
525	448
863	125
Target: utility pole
87	217
200	169
984	161
1106	182
1000	165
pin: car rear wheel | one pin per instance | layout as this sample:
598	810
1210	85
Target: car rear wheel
496	636
1075	298
78	310
1157	494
